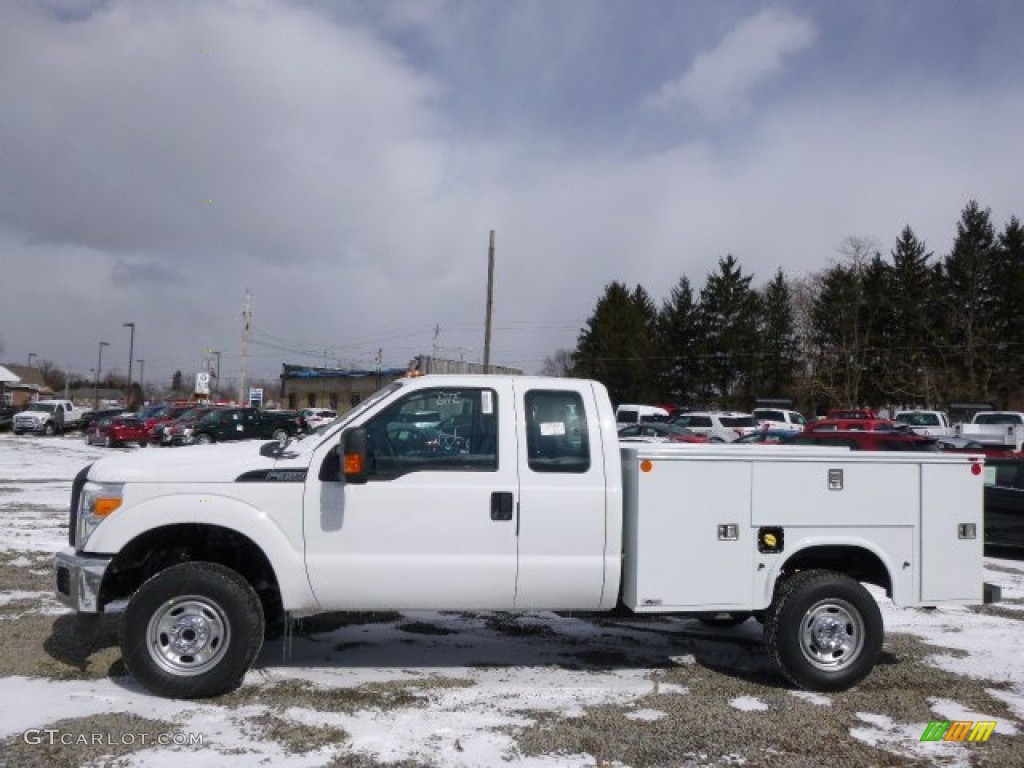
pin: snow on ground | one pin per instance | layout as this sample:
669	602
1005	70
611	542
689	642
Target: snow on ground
476	686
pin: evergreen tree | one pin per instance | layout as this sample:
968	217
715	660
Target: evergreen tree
1008	313
968	300
729	313
913	366
778	350
618	346
678	330
176	381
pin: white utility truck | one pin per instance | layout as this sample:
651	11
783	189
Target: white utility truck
519	499
1001	429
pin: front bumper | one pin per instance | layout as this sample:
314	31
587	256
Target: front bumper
79	578
29	426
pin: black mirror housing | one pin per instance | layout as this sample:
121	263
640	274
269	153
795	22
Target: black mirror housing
353	457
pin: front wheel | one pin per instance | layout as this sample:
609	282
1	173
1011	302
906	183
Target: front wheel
280	435
203	439
824	630
49	429
192	631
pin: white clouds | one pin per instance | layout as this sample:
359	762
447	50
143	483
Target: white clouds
348	196
720	81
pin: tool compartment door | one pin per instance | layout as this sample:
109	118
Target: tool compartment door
678	555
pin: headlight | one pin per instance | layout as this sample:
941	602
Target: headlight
98	501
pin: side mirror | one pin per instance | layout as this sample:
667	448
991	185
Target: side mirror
353	455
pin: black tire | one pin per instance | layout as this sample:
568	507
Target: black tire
49	429
824	630
203	439
143	443
19	432
725	619
192	631
280	435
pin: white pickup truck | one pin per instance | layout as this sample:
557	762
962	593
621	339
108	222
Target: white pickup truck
521	499
1003	429
928	423
49	417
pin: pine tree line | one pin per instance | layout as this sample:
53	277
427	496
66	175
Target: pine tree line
902	329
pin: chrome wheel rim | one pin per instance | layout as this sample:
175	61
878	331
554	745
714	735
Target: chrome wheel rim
188	636
832	635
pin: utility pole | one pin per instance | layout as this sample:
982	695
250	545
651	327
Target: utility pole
437	334
490	305
142	378
246	331
380	354
99	370
131	356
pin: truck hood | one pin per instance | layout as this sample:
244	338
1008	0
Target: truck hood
218	463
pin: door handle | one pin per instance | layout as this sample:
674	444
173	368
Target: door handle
502	505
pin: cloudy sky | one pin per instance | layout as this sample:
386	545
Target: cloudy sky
346	161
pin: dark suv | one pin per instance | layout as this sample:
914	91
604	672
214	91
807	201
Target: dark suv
1004	502
243	424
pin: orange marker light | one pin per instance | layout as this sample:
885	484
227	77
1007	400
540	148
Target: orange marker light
106	506
646	465
353	464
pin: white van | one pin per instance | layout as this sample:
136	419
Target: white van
634	414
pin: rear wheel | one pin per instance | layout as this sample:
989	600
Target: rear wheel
203	439
824	630
192	631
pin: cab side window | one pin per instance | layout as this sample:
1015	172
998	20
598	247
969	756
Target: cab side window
556	432
442	429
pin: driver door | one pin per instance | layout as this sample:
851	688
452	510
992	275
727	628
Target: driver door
434	526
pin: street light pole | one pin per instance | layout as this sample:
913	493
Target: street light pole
99	370
142	378
217	390
131	356
30	356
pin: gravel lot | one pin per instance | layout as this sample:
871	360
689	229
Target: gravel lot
440	689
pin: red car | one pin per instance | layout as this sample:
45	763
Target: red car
117	430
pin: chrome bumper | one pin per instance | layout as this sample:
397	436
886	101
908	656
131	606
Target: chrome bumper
78	579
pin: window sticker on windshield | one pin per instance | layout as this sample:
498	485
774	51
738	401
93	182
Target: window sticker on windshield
552	428
990	475
447	398
486	402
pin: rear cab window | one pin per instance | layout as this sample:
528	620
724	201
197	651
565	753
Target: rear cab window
556	432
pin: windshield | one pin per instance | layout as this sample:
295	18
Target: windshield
915	419
739	421
43	407
997	418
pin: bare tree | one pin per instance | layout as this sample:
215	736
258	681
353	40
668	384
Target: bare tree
557	364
